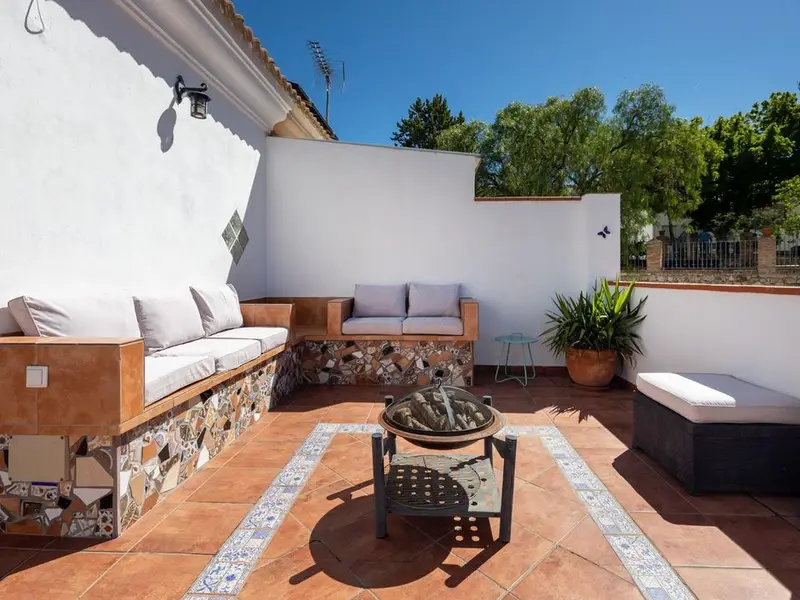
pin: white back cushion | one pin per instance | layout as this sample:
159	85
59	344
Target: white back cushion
219	308
101	315
167	321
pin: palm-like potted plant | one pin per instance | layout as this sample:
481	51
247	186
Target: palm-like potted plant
595	331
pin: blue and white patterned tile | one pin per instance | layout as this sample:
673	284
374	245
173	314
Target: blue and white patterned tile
579	475
196	597
221	578
330	428
652	573
519	430
360	428
297	470
316	444
608	515
245	546
271	508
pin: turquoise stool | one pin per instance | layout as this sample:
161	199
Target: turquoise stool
507	341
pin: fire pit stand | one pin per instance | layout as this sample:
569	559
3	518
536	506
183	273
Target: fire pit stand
443	485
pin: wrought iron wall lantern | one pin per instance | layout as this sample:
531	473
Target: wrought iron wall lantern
197	97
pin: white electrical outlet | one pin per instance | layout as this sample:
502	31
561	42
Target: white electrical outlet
36	376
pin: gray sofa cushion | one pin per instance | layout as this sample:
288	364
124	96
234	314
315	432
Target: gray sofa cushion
98	315
434	300
433	326
219	308
373	326
380	301
167	321
227	354
166	374
268	337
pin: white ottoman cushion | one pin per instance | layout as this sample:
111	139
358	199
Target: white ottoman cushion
166	374
227	354
373	326
712	398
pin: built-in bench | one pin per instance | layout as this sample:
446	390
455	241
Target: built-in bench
117	424
717	433
427	334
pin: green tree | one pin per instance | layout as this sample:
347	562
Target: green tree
425	121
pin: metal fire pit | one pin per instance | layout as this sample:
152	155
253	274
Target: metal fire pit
442	440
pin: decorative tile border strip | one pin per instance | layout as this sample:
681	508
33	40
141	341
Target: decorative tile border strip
226	573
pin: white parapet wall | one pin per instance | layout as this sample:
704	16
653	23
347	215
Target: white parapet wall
105	183
706	329
340	214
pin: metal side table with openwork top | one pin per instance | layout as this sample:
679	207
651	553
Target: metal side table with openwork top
443	485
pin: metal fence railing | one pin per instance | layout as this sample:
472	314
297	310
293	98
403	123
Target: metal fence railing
787	253
634	262
719	254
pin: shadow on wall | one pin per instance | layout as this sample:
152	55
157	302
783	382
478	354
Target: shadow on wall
106	20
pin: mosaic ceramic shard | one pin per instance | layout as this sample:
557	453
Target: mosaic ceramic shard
288	374
387	363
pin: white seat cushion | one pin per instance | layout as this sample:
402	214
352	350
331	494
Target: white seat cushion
433	326
100	315
270	337
166	374
710	398
373	326
227	354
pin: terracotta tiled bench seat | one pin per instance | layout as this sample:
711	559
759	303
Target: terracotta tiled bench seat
87	455
338	357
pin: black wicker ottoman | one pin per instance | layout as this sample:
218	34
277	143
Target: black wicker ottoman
755	458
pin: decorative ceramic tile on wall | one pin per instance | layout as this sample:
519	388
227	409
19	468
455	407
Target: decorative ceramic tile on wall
387	363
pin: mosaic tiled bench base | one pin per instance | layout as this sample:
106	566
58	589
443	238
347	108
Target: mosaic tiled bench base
225	575
113	480
387	362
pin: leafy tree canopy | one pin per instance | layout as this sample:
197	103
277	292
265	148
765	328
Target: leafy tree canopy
426	120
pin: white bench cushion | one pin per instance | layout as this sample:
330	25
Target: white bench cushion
269	337
219	308
227	354
433	326
711	398
373	326
166	374
167	321
100	315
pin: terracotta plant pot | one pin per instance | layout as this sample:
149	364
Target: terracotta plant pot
767	231
591	368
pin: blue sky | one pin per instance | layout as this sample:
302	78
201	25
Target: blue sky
712	57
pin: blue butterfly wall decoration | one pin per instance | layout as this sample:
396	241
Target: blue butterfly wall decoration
604	232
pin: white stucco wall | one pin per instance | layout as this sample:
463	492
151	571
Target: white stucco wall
340	214
750	336
93	194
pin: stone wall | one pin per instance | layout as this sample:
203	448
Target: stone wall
387	362
782	276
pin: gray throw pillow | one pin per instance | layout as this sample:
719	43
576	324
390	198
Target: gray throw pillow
167	321
219	308
380	301
434	300
98	315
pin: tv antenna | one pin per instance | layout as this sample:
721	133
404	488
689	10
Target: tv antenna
328	69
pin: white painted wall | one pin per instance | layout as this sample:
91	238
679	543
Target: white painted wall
93	194
340	214
750	336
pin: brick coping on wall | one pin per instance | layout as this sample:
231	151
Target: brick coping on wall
781	290
527	198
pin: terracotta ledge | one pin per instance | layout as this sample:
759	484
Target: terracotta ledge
527	199
323	337
779	290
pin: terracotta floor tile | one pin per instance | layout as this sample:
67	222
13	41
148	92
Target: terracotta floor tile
188	487
19	541
10	559
553	480
294	414
235	485
356	541
532	459
321	476
692	541
431	574
264	454
591	437
348	461
194	528
545	513
785	506
566	576
308	572
436	527
350	412
331	506
612	417
741	584
587	541
291	535
781	551
56	575
638	488
478	543
728	504
138	577
129	538
794	521
520	415
279	431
